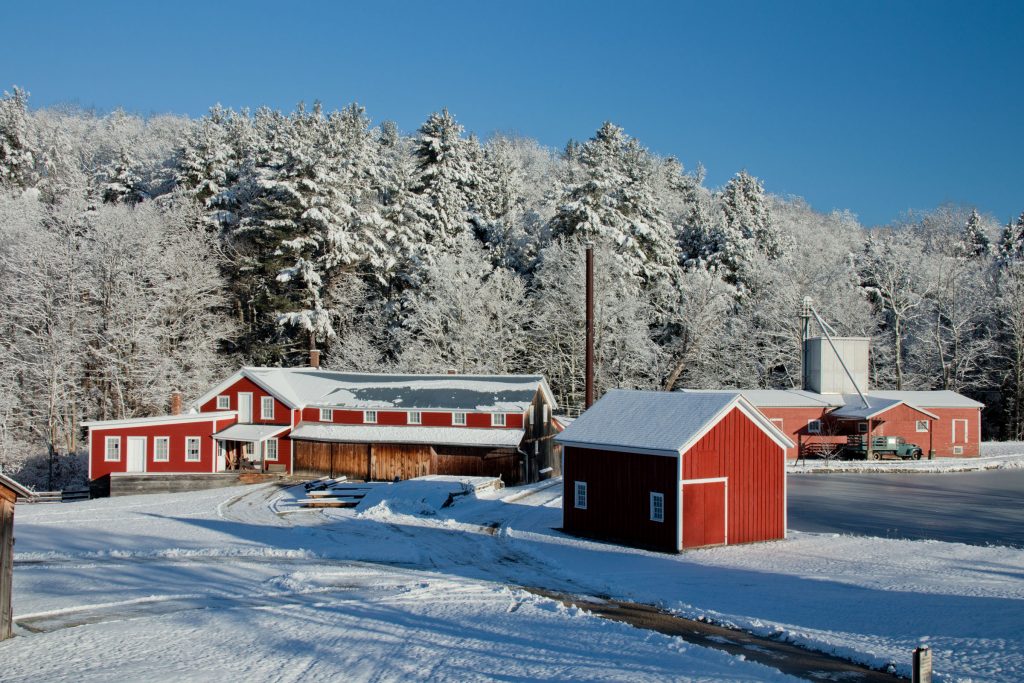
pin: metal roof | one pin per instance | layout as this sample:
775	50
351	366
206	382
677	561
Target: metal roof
780	398
656	422
856	410
252	433
439	436
329	389
942	398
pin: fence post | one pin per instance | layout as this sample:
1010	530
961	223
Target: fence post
922	669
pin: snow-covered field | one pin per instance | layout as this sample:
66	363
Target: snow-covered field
995	455
239	583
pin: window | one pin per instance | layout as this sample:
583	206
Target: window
270	449
497	419
529	415
657	507
370	417
161	449
581	495
547	412
814	426
223	403
777	421
862	427
415	417
326	415
112	449
459	419
958	450
922	425
267	408
192	449
248	449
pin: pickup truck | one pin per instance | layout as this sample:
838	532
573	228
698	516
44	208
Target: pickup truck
897	446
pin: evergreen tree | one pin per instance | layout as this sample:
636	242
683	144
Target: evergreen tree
1011	242
123	184
447	180
973	241
20	160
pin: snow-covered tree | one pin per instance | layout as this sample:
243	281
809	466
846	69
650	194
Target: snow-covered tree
20	159
974	241
1011	242
447	179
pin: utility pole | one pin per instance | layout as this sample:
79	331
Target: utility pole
589	400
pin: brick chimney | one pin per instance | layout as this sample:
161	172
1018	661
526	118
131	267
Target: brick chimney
452	372
175	402
314	359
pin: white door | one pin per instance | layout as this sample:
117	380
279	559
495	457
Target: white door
136	454
245	408
959	431
222	460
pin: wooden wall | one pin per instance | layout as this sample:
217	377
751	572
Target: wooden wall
7	498
384	462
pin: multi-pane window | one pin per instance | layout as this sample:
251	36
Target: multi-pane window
862	427
161	449
415	417
657	507
922	425
497	419
459	419
223	402
112	448
814	426
581	495
192	449
370	417
267	408
270	449
326	415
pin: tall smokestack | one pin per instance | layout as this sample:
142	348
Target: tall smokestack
314	359
589	400
805	334
175	402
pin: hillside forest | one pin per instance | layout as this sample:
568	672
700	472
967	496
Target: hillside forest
140	255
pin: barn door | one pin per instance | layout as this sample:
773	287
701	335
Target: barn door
704	519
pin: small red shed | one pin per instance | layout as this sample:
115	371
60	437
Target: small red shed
674	470
9	492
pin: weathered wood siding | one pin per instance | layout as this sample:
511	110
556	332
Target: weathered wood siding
618	496
7	498
478	462
736	448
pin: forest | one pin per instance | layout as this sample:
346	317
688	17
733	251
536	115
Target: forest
141	255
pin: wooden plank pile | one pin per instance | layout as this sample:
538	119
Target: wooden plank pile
333	493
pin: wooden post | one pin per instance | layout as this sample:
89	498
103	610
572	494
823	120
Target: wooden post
589	359
868	436
922	666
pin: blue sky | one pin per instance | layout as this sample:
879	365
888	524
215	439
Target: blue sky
878	107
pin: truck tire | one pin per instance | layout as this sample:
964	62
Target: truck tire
874	455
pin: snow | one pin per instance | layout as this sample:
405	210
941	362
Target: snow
448	436
995	456
387	591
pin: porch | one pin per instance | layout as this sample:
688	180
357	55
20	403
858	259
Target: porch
250	448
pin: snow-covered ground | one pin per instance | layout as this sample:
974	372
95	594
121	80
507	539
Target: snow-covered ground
995	455
240	582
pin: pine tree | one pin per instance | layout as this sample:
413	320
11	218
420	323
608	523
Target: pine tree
973	240
447	179
1011	243
123	185
20	160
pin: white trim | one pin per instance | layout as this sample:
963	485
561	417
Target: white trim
326	415
814	426
106	449
655	495
90	455
226	400
167	456
576	495
369	417
219	435
252	408
263	407
461	414
498	420
966	429
707	480
159	420
409	417
230	381
917	426
679	505
266	450
958	450
199	441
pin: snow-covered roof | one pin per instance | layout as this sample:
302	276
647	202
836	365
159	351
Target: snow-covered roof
18	489
780	398
252	433
315	387
856	410
943	398
440	436
160	419
658	422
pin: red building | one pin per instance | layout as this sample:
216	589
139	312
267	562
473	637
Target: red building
365	426
676	470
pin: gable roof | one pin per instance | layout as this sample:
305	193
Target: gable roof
18	489
659	422
297	387
943	398
856	410
800	398
780	398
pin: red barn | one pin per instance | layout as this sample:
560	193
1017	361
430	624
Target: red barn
676	470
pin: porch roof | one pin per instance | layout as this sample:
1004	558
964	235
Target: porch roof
439	436
855	410
251	433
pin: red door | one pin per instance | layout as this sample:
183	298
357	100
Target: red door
703	513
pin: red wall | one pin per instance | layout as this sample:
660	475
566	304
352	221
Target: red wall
282	415
400	417
177	433
794	424
736	448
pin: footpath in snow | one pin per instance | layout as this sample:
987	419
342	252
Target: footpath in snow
406	589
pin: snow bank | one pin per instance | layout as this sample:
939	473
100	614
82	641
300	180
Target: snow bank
418	497
1011	457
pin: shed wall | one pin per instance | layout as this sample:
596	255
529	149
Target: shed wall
7	499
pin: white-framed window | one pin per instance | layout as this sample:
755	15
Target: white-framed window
267	408
547	413
921	425
581	495
657	507
497	419
862	427
814	426
370	417
223	402
459	419
248	449
270	449
161	448
192	452
112	449
958	450
529	415
415	417
327	415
